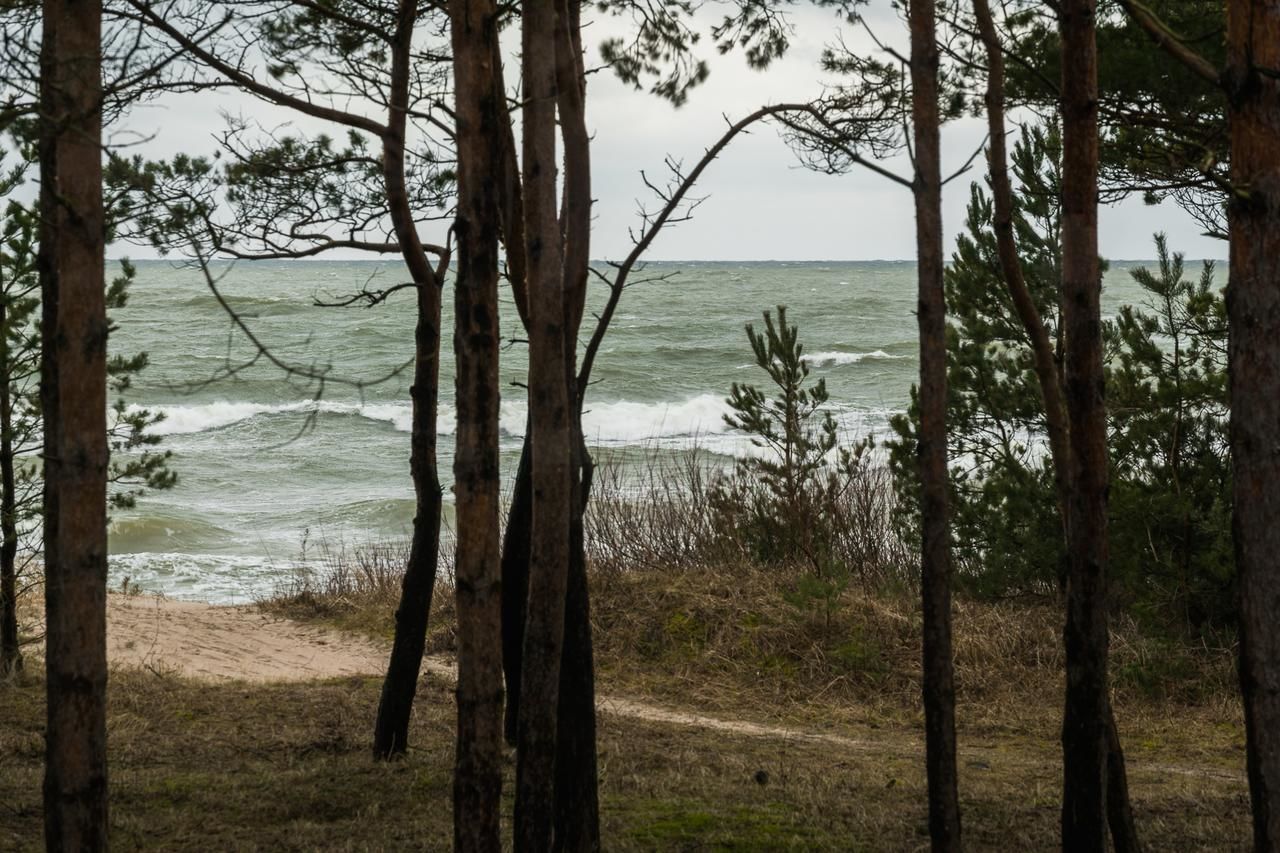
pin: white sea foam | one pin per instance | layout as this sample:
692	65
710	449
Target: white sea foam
697	420
619	422
184	420
836	359
399	415
204	417
627	422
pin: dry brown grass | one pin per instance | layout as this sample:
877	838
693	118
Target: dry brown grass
745	643
740	641
285	767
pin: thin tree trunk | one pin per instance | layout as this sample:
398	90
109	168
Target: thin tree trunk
1084	728
10	653
577	810
935	587
515	540
1253	306
1119	811
74	402
477	793
515	579
1011	266
511	199
549	410
391	727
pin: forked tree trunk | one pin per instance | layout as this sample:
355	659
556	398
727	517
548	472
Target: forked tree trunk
549	411
1253	309
74	402
1084	727
477	792
935	585
1119	812
391	727
10	653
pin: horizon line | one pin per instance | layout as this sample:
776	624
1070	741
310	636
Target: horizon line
608	261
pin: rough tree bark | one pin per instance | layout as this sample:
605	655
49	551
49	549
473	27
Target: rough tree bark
10	653
1253	309
935	586
1120	813
74	400
391	727
477	798
549	411
1084	727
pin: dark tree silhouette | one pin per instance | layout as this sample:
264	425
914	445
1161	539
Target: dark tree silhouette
1084	727
74	401
938	683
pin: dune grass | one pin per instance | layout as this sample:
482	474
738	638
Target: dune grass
743	645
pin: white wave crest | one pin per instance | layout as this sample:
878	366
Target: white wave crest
204	417
619	422
627	422
622	421
836	359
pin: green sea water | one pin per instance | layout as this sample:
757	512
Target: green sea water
268	465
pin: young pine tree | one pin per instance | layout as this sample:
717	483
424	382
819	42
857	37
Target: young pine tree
774	501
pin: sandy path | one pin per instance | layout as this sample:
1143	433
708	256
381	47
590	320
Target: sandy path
226	643
202	641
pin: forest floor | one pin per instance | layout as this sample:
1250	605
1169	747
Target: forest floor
722	727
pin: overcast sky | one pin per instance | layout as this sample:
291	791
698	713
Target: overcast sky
761	204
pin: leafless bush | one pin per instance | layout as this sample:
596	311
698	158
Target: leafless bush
651	514
685	509
335	576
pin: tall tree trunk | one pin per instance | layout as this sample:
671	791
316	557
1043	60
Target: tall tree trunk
74	402
515	540
1084	727
477	797
549	411
935	586
577	810
1253	306
391	727
10	653
1119	812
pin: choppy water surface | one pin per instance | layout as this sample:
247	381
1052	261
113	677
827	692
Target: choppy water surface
265	465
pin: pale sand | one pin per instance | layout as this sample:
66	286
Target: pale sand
219	643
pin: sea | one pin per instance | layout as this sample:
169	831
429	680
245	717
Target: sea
274	469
